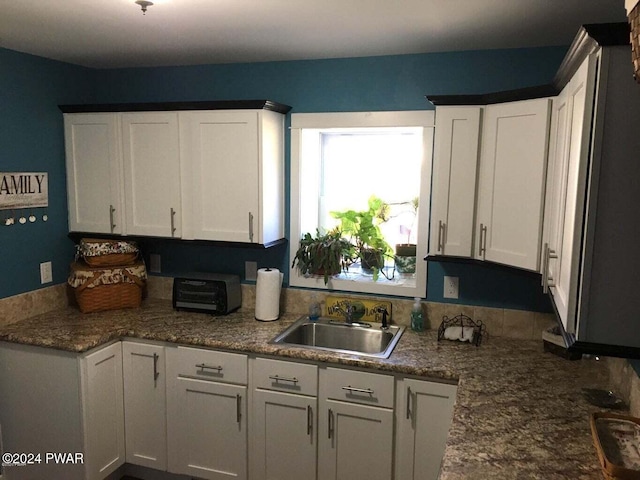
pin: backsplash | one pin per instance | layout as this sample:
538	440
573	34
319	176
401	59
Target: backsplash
500	322
30	304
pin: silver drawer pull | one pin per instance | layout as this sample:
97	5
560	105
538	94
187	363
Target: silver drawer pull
351	389
278	378
156	373
203	367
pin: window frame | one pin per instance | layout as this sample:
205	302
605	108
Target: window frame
320	121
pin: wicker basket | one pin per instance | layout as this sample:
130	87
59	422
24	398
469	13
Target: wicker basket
108	297
634	22
92	295
612	467
98	252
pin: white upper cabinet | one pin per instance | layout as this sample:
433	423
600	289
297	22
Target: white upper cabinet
193	174
151	153
94	172
456	151
568	157
511	183
233	175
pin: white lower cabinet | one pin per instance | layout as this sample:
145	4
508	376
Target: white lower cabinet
62	402
284	420
303	420
423	411
207	413
355	434
143	368
103	410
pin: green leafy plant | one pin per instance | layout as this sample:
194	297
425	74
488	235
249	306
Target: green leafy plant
323	254
363	229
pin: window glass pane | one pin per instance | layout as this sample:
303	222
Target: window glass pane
359	164
340	162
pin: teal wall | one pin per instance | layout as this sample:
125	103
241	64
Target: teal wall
31	140
356	84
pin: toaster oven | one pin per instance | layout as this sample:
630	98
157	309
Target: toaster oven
214	293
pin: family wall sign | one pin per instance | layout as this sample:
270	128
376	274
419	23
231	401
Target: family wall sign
23	190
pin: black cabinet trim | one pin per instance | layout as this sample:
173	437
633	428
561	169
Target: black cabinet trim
588	38
173	106
76	236
528	93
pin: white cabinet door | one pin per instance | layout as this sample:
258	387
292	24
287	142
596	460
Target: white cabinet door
511	183
233	175
355	441
221	174
208	429
284	436
456	152
564	269
556	184
424	413
151	156
94	173
103	411
145	404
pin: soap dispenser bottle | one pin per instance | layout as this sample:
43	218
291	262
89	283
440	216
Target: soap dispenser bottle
417	318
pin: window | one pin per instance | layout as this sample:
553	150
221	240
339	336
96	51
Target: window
371	165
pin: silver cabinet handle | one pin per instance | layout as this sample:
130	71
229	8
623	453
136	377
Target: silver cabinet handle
277	378
330	420
173	223
238	408
156	373
543	269
408	403
441	227
203	367
111	212
351	389
309	419
547	281
483	240
250	227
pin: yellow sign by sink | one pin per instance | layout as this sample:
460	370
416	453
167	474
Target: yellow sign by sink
364	309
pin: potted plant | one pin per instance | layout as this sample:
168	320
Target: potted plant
323	254
363	227
405	256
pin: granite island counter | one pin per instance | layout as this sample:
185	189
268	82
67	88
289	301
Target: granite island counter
519	412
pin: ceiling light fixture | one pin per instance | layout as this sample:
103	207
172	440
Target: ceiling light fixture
144	4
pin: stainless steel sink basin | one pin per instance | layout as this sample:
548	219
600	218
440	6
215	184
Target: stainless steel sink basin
358	338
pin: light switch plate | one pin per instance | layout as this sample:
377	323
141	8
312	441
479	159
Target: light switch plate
46	272
451	287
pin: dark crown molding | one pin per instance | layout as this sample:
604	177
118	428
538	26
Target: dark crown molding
172	106
587	40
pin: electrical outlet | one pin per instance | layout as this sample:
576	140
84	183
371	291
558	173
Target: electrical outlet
154	263
451	287
46	272
250	270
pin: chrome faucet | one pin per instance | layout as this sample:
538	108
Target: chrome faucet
346	309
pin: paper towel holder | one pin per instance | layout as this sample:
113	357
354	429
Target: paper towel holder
268	292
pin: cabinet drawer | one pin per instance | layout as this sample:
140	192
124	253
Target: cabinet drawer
285	376
358	387
210	365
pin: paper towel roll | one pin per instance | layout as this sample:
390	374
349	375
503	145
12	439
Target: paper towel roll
268	289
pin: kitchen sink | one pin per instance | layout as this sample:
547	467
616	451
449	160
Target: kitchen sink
357	338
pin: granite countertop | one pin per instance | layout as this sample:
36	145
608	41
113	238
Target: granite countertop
519	412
